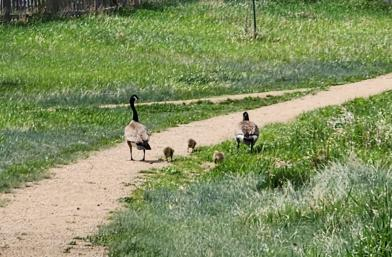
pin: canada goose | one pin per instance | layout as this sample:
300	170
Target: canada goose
191	144
136	133
168	152
247	132
218	156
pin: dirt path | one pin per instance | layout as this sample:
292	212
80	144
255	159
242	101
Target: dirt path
41	220
216	99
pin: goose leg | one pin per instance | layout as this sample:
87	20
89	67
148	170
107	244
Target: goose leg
130	149
238	145
144	154
251	147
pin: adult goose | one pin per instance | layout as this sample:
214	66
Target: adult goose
136	134
247	132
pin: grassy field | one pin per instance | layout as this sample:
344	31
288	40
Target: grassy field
319	186
193	49
54	74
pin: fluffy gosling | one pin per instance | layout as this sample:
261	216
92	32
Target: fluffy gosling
168	152
191	144
218	157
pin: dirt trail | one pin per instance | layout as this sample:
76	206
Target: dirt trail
41	220
216	99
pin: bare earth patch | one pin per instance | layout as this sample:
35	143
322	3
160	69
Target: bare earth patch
49	217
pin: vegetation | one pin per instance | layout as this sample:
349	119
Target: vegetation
319	186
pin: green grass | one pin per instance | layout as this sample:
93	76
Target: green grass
193	49
34	138
319	186
342	211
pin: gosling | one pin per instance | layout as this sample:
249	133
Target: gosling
191	144
218	157
168	152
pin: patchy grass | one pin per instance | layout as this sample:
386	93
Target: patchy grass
34	138
289	198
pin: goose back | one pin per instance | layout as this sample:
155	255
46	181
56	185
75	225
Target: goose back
247	132
138	135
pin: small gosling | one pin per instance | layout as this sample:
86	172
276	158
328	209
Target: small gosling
218	157
168	152
191	144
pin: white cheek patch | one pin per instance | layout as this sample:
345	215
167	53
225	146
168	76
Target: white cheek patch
240	137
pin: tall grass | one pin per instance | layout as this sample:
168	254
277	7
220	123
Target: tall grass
343	210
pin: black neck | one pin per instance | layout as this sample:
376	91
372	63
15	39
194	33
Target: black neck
135	116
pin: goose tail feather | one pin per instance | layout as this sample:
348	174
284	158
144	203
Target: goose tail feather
143	145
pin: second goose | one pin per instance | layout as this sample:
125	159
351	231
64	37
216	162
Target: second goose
247	132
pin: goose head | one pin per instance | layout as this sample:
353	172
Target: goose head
245	116
133	98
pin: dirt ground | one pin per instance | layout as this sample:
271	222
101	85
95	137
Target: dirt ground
48	218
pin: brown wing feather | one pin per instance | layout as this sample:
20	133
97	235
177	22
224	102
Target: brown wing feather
136	132
248	128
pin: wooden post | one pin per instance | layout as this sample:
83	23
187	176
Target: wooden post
7	10
254	20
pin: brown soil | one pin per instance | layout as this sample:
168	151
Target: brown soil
44	218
